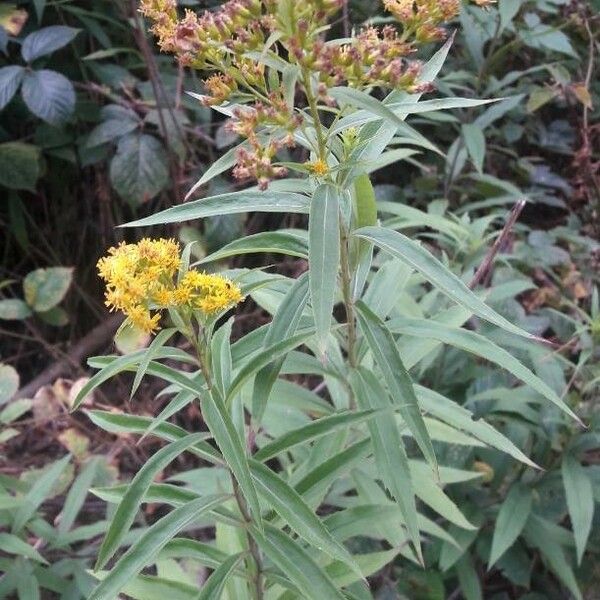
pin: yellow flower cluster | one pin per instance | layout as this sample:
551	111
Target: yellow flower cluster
140	279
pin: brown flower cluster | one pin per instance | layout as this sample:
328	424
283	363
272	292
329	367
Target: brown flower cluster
232	43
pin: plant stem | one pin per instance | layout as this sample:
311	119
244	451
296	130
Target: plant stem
241	502
314	111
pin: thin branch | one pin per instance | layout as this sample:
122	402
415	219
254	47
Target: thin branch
485	266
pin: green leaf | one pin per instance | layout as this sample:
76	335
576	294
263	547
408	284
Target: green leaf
324	258
45	288
435	272
289	504
38	493
580	501
468	579
158	342
77	494
121	423
130	504
11	544
147	587
110	130
284	325
9	383
513	516
390	454
48	95
228	204
480	346
269	242
226	436
475	143
19	166
46	40
10	80
385	351
213	587
296	564
150	543
138	171
313	431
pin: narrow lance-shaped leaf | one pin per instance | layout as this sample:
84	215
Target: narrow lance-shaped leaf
224	431
384	349
580	501
290	505
513	515
130	504
435	272
150	543
284	324
324	258
213	587
388	447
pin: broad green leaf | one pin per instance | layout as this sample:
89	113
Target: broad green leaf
213	586
312	431
20	166
271	242
138	171
384	349
475	143
296	564
10	80
9	383
46	40
324	258
288	503
511	520
110	131
228	204
580	501
389	451
150	543
38	493
14	309
130	504
11	544
226	436
435	272
481	346
45	288
122	423
284	324
48	95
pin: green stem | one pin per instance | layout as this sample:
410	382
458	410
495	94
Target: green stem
314	111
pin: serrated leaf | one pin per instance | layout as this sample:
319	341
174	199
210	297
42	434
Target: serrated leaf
46	40
144	550
130	504
384	349
513	516
10	80
324	258
138	171
19	166
38	493
580	501
48	95
45	288
235	202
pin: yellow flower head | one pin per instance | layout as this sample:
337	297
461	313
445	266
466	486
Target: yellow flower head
319	168
140	278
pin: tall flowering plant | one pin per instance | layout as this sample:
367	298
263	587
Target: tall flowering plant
306	472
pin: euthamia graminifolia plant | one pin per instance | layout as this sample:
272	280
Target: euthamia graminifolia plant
345	466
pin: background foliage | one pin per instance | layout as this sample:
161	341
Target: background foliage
96	130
